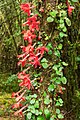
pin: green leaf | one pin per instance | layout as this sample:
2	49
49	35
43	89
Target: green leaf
60	116
45	65
50	19
58	111
62	13
55	67
53	13
52	118
31	108
44	94
78	58
63	80
50	52
59	73
58	82
44	60
57	103
61	21
62	25
57	53
36	12
36	105
68	22
35	95
47	113
40	118
47	38
49	46
64	29
36	112
32	101
37	75
51	88
74	0
60	100
61	34
65	64
60	46
46	101
29	114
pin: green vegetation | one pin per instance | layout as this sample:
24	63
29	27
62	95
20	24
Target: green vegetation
56	93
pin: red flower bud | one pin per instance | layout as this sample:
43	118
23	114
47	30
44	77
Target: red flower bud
70	9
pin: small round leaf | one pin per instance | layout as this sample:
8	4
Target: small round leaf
50	19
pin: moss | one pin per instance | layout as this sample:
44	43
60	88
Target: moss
5	103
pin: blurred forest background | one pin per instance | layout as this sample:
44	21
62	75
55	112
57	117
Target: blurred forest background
11	20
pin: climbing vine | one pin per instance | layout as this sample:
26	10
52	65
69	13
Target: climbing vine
41	76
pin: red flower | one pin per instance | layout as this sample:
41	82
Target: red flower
32	23
16	94
28	48
23	61
41	50
70	9
32	19
23	75
39	37
21	55
26	8
27	51
16	105
29	36
41	80
25	80
35	62
20	111
20	97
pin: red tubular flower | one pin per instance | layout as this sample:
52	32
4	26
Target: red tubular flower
39	37
14	94
41	80
26	83
17	105
23	75
20	97
23	61
28	48
32	19
20	111
35	62
32	23
29	36
25	80
21	55
17	94
26	8
41	50
70	9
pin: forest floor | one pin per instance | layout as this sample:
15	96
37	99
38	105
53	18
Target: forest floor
6	113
